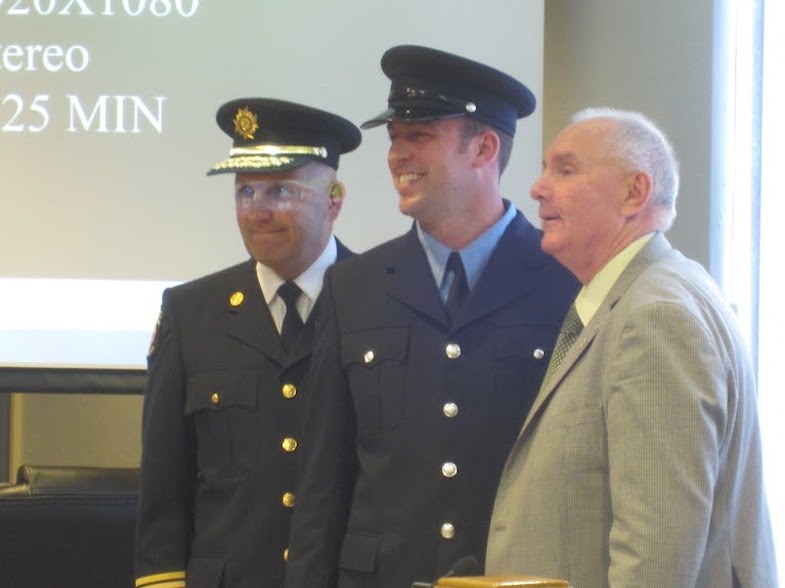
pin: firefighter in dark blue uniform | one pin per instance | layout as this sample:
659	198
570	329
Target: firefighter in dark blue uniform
227	364
431	347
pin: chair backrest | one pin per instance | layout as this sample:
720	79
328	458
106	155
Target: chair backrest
68	526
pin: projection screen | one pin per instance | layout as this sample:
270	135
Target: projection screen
107	129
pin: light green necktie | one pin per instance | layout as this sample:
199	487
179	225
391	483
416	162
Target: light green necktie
569	332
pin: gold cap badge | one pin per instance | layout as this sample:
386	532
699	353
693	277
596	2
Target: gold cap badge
236	299
245	123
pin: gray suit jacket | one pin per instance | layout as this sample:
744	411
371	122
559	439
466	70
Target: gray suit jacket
640	461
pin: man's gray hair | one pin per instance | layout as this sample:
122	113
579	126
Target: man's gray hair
639	144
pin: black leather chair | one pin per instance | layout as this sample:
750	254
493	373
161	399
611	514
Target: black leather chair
63	527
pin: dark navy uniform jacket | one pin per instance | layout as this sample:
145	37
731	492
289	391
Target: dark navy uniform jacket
221	427
410	420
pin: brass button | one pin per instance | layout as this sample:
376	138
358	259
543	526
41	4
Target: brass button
450	410
289	391
369	356
286	554
215	398
538	354
236	299
449	469
287	499
289	444
453	350
448	530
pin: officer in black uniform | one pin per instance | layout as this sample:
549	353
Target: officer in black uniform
226	367
431	347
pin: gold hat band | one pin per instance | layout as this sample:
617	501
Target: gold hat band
252	162
274	150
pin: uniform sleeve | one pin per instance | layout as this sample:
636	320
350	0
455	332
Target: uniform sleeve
666	415
328	464
165	517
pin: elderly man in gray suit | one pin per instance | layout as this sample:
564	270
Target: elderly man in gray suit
639	463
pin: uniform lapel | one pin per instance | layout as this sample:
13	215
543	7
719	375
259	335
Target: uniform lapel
247	317
411	281
304	343
303	346
510	273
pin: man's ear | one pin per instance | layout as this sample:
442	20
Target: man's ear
639	189
337	192
487	149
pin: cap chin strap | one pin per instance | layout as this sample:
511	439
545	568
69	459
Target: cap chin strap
401	96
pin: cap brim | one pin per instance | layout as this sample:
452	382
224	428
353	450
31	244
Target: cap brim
412	114
250	164
381	119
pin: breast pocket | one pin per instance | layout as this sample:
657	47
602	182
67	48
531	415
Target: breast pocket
375	363
223	406
522	353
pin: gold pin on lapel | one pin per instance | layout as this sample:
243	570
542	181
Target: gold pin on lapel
236	299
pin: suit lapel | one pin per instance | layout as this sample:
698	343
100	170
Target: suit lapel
575	352
654	250
248	319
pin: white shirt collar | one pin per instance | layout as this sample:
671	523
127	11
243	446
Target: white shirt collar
592	294
310	282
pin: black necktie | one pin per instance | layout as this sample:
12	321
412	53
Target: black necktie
459	289
292	323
